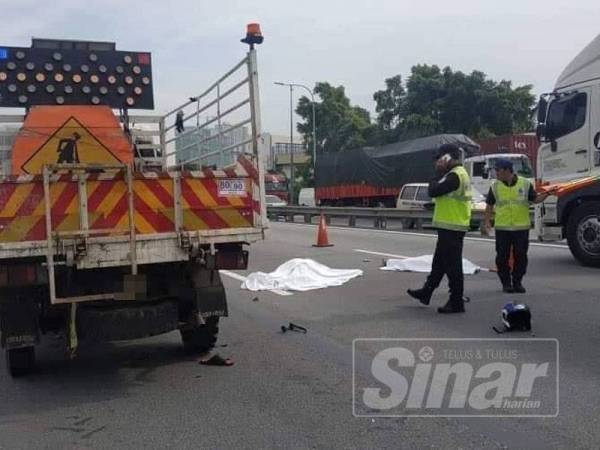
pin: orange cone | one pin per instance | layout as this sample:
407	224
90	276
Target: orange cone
322	239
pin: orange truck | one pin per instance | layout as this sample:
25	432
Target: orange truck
106	231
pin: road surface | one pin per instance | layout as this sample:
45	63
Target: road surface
294	390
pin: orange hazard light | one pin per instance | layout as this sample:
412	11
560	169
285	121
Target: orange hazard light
253	29
253	35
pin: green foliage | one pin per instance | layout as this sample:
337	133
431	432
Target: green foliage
432	101
389	108
340	125
444	101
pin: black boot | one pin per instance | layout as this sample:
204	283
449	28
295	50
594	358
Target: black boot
423	295
508	288
518	287
506	284
454	305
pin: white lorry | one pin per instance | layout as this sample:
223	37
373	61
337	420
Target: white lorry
481	168
569	132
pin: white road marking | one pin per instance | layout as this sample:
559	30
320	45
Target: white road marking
369	252
429	235
237	276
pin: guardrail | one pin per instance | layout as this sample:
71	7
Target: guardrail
380	216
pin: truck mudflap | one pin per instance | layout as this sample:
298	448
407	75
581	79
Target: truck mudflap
19	324
207	294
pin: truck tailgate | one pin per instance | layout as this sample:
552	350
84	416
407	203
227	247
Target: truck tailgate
97	204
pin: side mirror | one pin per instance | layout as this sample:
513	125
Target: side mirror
486	174
540	131
542	108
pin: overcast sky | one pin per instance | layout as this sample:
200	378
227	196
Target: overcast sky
354	43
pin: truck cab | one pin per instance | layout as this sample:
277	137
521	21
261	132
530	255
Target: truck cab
277	184
481	168
569	133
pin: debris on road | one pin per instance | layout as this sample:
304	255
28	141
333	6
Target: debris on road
423	264
293	327
216	360
300	274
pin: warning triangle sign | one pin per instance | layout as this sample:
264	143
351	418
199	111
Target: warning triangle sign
71	143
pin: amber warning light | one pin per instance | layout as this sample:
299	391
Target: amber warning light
253	35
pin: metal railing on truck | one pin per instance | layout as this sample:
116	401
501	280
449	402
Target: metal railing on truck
163	145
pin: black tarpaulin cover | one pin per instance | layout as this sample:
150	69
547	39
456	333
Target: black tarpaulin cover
391	165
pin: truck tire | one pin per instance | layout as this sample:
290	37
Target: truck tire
583	233
20	361
202	338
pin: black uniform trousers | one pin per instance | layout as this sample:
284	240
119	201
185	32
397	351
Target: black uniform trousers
519	241
447	260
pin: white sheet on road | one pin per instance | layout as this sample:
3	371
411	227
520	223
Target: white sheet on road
299	274
423	264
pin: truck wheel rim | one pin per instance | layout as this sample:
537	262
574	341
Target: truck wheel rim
588	234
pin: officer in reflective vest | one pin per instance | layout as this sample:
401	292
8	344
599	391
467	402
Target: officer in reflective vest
510	195
451	191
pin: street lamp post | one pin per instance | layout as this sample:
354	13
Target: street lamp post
314	129
312	99
292	174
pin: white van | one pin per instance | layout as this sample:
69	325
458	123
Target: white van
306	197
415	197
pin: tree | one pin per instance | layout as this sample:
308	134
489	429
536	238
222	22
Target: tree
432	100
389	108
340	125
445	101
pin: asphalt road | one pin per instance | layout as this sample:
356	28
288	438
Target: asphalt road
294	390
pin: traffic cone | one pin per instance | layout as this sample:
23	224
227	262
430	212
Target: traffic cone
322	239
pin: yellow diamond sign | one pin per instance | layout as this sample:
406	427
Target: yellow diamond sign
71	143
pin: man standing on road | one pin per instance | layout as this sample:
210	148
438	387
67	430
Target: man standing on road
510	195
451	191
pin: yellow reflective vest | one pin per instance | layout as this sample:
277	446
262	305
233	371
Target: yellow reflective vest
453	210
512	205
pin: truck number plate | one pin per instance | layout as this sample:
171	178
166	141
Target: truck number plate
232	186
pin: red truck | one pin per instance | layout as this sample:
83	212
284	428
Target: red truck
374	176
277	184
98	243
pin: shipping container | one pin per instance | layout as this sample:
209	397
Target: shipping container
525	143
